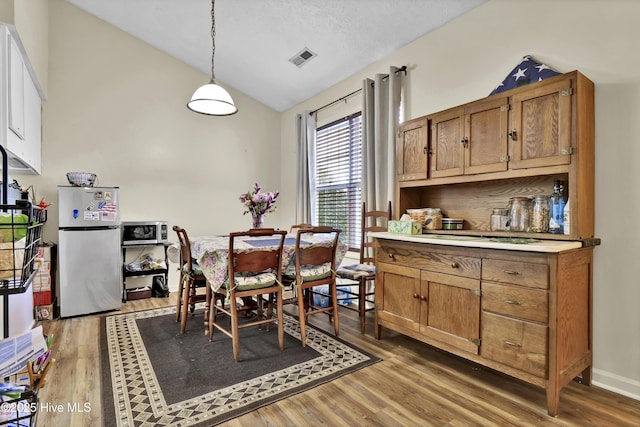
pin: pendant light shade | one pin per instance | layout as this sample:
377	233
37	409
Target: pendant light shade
212	99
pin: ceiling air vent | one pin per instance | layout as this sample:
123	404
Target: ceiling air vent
302	57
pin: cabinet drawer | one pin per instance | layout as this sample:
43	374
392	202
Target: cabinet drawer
519	273
419	256
516	343
515	301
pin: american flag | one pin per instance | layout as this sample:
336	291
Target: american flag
527	71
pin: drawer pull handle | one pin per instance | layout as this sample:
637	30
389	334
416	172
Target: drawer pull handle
391	256
509	301
512	344
513	273
454	265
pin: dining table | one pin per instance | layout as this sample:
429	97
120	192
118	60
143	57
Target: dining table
212	252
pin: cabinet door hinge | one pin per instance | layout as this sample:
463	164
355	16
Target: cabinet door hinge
505	159
505	107
477	292
476	341
566	92
567	151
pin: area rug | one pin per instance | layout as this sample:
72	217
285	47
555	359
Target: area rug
151	375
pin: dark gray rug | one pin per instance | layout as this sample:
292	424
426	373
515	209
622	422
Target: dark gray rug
151	375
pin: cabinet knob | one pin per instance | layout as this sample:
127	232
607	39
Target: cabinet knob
455	265
423	298
464	141
416	296
391	256
513	135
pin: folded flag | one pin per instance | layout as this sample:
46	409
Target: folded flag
527	71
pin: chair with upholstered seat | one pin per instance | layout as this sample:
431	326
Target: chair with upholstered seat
314	265
252	273
296	227
365	271
191	278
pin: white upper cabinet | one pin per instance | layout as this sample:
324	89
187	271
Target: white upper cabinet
20	108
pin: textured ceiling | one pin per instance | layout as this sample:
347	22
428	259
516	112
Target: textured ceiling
256	38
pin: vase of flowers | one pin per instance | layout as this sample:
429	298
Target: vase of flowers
258	204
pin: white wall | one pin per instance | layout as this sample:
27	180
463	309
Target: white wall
117	107
468	57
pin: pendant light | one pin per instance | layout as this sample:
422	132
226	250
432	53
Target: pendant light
212	99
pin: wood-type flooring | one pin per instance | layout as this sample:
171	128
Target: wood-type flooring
414	385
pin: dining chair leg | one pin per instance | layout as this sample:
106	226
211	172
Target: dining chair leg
334	293
362	302
235	339
212	316
185	305
179	299
280	315
207	304
302	315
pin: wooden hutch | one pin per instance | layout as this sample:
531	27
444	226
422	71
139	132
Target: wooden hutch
521	309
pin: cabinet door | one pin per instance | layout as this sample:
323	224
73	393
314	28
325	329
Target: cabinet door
397	295
412	150
451	311
486	128
16	89
446	149
541	126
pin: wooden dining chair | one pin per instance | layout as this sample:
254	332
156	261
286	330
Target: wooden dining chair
191	278
254	273
296	227
365	271
315	265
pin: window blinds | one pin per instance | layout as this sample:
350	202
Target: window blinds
338	176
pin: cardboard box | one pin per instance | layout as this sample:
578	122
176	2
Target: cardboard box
44	252
404	227
41	298
44	267
44	312
41	283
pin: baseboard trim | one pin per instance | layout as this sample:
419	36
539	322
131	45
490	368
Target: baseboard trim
616	383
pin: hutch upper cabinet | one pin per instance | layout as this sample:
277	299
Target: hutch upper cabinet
470	159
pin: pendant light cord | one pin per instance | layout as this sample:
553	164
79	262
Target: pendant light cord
213	37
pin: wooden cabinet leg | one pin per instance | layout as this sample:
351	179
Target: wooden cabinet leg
553	399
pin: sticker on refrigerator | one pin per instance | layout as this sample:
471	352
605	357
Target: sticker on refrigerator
109	210
91	216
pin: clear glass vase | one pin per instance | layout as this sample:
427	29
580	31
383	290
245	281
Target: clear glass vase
257	221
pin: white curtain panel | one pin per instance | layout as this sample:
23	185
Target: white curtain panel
381	100
306	173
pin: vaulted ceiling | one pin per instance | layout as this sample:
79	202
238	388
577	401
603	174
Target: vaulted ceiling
255	39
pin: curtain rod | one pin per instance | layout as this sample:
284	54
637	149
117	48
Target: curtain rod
402	69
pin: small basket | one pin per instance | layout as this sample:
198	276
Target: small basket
419	215
81	179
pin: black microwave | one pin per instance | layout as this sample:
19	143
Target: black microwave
144	232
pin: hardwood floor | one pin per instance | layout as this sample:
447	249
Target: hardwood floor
413	385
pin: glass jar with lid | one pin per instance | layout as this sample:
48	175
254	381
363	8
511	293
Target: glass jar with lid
499	219
540	214
519	217
433	219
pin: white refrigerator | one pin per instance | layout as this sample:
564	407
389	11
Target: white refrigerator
89	250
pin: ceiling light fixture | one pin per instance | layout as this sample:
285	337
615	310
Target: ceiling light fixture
212	99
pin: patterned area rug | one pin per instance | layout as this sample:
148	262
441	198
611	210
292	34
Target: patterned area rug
153	376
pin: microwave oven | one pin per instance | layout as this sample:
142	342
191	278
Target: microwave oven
144	232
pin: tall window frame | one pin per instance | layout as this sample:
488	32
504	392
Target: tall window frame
338	171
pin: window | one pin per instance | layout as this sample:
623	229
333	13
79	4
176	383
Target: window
338	176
